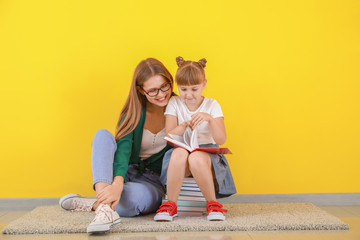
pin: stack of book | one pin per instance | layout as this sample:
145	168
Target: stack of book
191	201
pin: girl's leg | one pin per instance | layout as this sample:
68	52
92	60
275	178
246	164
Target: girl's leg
201	169
176	172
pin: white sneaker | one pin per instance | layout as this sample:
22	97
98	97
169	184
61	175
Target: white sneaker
104	219
76	203
215	216
215	211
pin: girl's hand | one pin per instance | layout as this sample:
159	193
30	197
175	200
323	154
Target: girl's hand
111	194
185	124
199	118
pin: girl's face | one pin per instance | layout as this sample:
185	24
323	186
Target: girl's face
191	94
157	90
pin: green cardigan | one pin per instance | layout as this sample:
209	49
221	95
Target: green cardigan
128	151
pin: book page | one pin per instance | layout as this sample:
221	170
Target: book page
194	143
187	136
177	138
175	143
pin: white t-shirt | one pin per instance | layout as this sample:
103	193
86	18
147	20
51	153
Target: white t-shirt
176	107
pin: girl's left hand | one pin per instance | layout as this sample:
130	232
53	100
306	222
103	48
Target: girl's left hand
199	118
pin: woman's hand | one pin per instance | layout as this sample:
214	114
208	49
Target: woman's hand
199	118
111	194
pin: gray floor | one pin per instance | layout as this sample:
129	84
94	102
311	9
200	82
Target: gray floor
348	214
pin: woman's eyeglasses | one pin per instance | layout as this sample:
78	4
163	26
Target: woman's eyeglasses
155	92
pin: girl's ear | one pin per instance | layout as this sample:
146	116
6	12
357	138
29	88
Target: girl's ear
205	82
140	90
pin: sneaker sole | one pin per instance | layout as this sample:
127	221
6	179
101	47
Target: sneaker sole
97	228
215	218
62	199
164	218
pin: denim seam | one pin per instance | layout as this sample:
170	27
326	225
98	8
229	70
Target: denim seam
101	180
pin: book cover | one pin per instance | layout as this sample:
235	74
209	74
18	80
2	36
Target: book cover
191	209
193	189
190	198
182	203
189	141
192	185
191	193
191	214
189	180
185	203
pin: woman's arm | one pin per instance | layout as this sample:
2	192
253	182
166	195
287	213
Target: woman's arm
111	194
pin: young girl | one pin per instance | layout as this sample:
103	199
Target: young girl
210	171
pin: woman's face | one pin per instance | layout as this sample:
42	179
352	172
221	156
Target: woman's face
157	84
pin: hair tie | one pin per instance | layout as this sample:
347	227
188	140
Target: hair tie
202	62
180	61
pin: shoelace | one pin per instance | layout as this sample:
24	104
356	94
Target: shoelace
103	213
81	205
166	207
215	207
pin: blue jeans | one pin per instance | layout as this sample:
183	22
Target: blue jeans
141	195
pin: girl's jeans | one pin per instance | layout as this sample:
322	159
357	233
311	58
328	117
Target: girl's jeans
141	195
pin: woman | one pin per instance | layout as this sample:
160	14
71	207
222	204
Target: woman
126	169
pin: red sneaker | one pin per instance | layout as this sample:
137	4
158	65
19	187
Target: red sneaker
215	211
166	212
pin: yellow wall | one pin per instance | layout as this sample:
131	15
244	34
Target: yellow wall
285	72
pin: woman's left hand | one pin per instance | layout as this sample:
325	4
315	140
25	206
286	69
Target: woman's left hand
199	118
111	194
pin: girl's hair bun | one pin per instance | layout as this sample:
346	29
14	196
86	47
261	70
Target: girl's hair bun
180	61
202	62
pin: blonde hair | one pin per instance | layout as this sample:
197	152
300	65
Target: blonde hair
131	112
190	72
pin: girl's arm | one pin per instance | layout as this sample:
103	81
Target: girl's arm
218	131
171	126
217	126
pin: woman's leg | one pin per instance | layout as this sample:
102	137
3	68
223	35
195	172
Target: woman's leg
139	198
102	159
176	172
201	169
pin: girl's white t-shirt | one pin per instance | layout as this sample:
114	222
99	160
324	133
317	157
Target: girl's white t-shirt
176	107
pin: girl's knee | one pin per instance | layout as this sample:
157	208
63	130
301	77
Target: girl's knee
197	159
179	154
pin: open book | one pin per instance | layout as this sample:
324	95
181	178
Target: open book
189	141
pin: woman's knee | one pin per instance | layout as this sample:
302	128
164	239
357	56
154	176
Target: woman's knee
103	136
138	198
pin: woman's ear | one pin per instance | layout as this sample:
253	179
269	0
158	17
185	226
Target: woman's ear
140	90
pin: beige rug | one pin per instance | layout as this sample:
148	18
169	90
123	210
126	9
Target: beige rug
240	217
